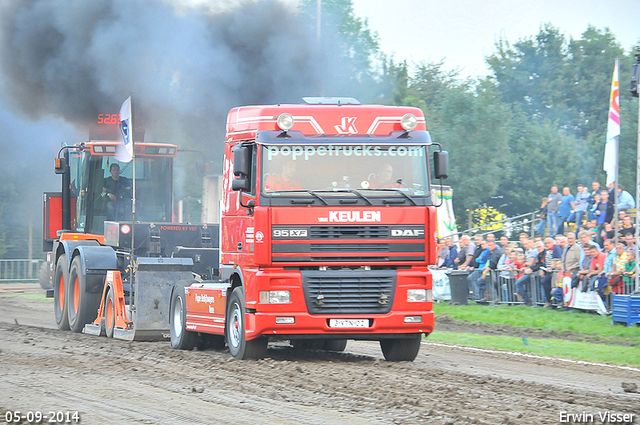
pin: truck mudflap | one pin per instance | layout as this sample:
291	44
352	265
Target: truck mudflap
149	318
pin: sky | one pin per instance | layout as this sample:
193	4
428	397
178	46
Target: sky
463	32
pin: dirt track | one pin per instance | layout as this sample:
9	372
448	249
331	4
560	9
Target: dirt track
111	381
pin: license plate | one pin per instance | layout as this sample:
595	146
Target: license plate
348	323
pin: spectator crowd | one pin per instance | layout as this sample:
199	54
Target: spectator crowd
504	270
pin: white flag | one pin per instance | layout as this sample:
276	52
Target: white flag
613	130
126	128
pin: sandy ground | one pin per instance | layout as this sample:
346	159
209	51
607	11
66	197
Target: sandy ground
111	381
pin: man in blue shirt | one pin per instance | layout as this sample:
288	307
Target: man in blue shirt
592	199
581	206
604	214
552	210
552	251
567	204
625	200
449	263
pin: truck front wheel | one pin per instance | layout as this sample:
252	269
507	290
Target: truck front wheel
239	347
401	349
181	338
60	280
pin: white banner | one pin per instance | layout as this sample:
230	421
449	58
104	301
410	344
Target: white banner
575	298
441	286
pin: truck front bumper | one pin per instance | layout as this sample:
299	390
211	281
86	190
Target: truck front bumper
298	325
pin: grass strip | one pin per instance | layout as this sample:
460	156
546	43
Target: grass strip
541	318
32	296
598	353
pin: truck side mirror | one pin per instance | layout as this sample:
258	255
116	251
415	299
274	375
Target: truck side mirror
241	160
61	165
203	168
240	184
441	164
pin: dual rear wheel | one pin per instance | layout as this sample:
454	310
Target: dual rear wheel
60	282
74	307
82	305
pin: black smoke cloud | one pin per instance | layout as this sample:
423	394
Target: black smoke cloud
186	67
63	62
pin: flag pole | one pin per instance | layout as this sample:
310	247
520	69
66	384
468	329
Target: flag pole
615	194
133	209
637	233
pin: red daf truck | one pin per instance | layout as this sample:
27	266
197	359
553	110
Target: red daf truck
327	231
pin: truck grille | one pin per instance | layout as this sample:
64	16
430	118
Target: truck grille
341	244
348	232
349	291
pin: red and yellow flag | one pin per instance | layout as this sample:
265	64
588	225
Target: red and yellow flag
613	129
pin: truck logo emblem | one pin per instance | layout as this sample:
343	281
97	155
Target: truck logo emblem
407	232
354	216
348	126
259	236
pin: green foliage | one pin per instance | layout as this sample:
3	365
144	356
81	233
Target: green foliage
484	216
349	48
563	87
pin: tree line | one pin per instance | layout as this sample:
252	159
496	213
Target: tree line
539	118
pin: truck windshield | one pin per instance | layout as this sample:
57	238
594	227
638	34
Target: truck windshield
100	197
365	168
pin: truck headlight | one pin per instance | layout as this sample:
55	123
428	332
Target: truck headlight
419	295
409	122
285	121
275	297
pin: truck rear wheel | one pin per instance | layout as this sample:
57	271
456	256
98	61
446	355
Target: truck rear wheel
43	276
319	344
401	349
181	338
335	344
239	347
82	305
60	280
210	341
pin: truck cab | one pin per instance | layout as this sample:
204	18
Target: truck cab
327	228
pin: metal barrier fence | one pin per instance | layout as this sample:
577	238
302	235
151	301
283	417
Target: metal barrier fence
499	287
527	222
22	270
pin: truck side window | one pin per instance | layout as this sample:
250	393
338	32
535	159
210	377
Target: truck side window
254	169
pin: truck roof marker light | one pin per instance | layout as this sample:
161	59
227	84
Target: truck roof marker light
285	121
98	149
409	122
110	149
